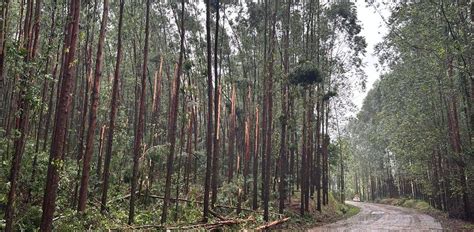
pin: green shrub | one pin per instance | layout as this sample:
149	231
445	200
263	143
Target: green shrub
422	205
409	203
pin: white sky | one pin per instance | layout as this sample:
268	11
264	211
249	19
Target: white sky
373	29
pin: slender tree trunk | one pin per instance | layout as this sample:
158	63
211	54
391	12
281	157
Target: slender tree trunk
172	122
137	147
304	154
181	145
215	156
43	101
309	148
246	147
232	135
93	112
318	114
3	30
188	151
87	83
455	137
50	102
268	137
209	116
264	97
284	118
113	113
292	144
341	161
101	151
23	105
154	137
325	143
62	114
255	162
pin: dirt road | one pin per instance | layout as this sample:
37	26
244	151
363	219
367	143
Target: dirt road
378	217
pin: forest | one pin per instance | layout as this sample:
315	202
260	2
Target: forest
177	115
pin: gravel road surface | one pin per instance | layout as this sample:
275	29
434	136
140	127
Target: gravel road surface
378	217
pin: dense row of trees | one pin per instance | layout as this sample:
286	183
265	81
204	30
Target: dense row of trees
414	134
109	105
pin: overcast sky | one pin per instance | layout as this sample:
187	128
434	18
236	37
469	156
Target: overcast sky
373	29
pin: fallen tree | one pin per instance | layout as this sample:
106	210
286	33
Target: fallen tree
194	202
273	223
212	225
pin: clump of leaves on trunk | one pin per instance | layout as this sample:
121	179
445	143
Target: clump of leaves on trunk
306	73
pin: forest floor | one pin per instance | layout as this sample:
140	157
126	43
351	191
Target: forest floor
442	217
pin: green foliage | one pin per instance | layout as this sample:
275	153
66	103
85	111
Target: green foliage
70	220
30	220
305	74
156	153
188	65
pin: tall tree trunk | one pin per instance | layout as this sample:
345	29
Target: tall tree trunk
172	121
179	158
284	118
293	148
255	162
341	161
3	30
215	154
246	150
232	135
318	114
113	113
304	151
137	147
455	137
86	83
101	151
43	101
23	106
50	102
309	148
85	110
93	112
323	147
61	116
189	151
154	136
209	116
269	127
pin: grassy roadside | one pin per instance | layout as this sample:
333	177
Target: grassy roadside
424	207
332	212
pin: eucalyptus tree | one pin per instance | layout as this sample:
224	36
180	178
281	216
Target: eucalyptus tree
207	180
113	112
410	123
93	111
30	44
173	117
61	115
